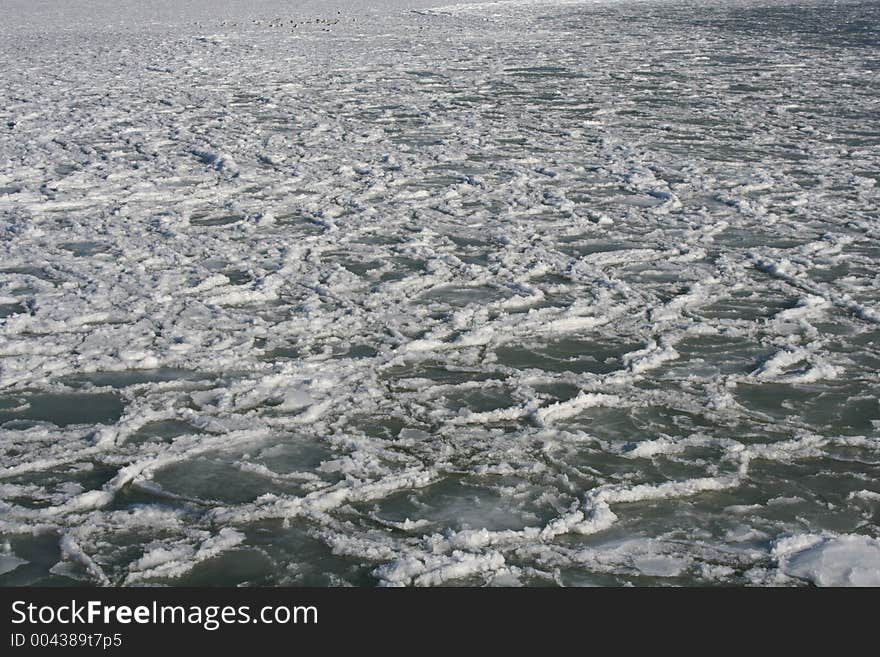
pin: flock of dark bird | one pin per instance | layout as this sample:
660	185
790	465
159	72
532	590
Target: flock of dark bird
324	23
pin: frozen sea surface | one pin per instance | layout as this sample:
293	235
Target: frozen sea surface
511	293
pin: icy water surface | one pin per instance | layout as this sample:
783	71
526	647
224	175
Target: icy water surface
518	293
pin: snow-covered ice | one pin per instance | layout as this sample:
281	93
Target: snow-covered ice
415	293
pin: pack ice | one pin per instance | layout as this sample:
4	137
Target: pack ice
505	293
